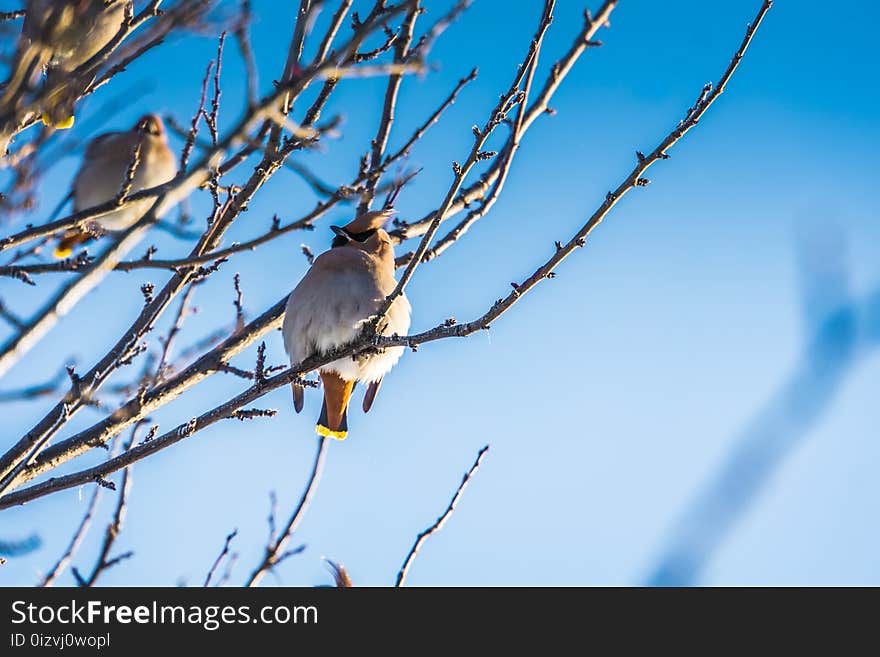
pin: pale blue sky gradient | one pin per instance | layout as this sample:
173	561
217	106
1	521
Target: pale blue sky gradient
610	395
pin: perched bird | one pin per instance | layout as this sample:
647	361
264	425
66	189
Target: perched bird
344	287
105	168
63	36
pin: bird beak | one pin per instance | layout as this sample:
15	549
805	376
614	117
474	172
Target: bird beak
341	232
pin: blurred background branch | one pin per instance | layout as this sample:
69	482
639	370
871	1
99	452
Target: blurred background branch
841	332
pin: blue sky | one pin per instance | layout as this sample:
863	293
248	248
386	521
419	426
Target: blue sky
611	395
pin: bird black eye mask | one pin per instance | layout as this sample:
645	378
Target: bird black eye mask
343	236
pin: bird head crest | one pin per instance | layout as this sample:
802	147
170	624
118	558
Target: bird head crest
369	221
151	124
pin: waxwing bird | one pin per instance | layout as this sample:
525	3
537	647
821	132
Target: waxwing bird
105	168
344	287
62	36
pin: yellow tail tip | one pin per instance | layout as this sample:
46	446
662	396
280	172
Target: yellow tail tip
321	430
62	252
62	124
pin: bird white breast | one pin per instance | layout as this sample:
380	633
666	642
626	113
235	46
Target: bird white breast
326	310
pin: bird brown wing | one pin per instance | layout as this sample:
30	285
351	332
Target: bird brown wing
370	395
297	397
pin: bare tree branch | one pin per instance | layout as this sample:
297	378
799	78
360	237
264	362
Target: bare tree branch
19	112
340	194
275	548
104	561
558	72
24	451
438	524
35	391
223	553
507	102
380	141
214	360
78	535
12	15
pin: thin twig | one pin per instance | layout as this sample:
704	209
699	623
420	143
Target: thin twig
438	524
104	562
558	72
215	360
275	548
219	559
12	15
506	103
122	351
78	536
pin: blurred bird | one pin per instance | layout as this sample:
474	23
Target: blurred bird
63	36
343	288
104	170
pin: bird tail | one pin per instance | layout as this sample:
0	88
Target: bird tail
68	241
58	108
333	422
63	121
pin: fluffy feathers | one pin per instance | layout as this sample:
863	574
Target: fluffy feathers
103	171
344	287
